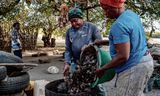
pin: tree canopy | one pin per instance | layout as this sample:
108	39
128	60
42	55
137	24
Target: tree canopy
52	14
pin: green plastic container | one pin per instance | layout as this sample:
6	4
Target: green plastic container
157	81
103	58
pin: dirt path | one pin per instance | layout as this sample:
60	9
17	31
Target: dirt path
40	72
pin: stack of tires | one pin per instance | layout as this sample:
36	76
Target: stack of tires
12	79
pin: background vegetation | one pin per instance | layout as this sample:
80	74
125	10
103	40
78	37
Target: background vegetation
50	16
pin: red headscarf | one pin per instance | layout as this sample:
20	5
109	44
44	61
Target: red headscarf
113	3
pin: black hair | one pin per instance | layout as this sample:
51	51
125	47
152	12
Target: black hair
75	16
16	23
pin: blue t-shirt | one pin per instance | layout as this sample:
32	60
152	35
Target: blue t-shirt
128	28
76	39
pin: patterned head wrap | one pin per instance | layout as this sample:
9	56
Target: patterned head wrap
75	13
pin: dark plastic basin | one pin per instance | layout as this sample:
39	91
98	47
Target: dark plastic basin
52	90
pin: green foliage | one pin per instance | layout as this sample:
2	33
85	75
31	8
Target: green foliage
44	13
7	5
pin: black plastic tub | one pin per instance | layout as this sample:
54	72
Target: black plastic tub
52	90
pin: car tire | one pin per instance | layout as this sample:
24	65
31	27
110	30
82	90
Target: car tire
14	83
3	72
6	57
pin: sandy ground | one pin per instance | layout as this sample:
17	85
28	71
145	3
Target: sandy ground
40	72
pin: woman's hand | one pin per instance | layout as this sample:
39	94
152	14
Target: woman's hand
66	70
